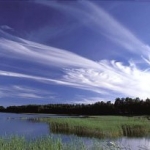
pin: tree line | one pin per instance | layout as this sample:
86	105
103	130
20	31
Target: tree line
121	106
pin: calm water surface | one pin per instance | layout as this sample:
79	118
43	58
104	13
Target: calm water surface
17	124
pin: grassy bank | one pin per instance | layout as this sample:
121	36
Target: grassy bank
48	143
19	143
100	127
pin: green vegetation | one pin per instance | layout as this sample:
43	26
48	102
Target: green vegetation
48	143
121	106
100	126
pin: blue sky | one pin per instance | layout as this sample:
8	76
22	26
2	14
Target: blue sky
73	51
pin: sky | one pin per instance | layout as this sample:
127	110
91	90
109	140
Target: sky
73	51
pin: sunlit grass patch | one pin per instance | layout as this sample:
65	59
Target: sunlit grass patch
101	126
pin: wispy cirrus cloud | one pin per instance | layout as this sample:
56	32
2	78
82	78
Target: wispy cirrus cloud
88	100
42	54
116	77
114	30
110	76
60	81
17	91
96	18
5	27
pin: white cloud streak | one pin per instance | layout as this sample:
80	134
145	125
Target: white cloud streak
118	78
17	91
114	30
88	100
47	55
113	76
51	81
5	27
97	19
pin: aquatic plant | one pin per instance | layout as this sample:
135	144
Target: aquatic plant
53	143
44	143
100	127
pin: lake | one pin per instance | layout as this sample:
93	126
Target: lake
17	124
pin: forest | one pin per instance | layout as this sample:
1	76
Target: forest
121	106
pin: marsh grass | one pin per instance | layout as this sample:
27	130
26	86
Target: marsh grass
52	143
45	143
100	127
